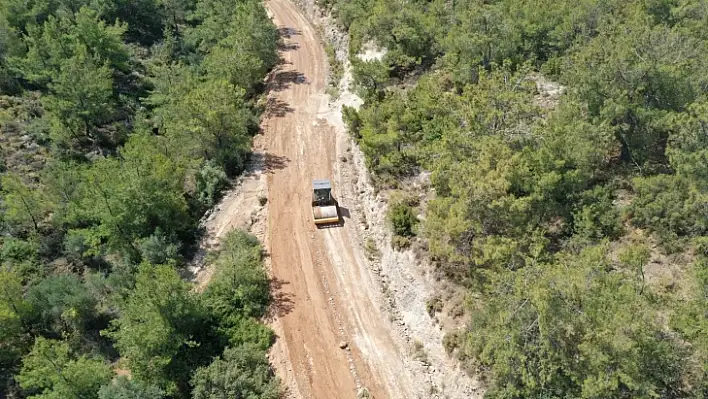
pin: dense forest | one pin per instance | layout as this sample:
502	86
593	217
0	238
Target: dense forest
121	122
578	224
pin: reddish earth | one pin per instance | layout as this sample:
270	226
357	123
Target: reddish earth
338	332
325	294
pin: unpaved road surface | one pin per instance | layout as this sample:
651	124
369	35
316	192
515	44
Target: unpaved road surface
326	296
345	323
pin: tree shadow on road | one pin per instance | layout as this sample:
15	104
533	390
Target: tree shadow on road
283	47
282	303
264	162
287	32
277	108
282	80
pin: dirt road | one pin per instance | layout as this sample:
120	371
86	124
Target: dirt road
326	296
345	323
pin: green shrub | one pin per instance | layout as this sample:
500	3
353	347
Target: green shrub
403	220
434	305
18	250
596	217
669	206
352	120
211	181
372	250
123	388
336	67
241	372
242	330
240	285
159	249
452	341
399	242
62	304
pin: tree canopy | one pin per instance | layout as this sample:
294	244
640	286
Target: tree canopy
121	123
241	372
566	147
53	371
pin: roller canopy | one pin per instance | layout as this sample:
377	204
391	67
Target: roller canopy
321	184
